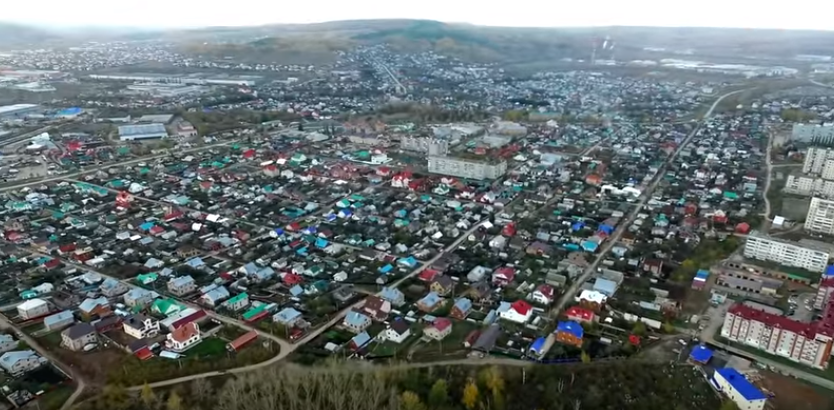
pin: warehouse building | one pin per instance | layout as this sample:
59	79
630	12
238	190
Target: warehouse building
142	132
17	111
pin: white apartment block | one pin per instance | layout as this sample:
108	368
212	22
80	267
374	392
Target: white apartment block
828	170
815	160
778	335
807	186
820	216
807	255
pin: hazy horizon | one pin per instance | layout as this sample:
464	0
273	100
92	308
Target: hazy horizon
159	14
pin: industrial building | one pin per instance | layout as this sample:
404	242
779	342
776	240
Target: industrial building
820	216
805	254
165	90
813	134
195	79
738	389
142	132
17	111
466	168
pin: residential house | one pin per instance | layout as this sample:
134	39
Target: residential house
182	285
443	285
393	295
397	331
430	302
579	314
166	307
7	343
377	308
99	307
18	362
59	320
518	311
479	292
461	308
543	295
503	276
570	333
140	326
139	297
215	296
477	274
439	329
76	337
237	303
356	322
184	337
287	317
112	288
653	266
107	324
187	251
359	341
32	308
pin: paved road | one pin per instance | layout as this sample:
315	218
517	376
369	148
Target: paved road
611	241
717	320
68	370
769	167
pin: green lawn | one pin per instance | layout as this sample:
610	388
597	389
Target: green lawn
209	347
54	399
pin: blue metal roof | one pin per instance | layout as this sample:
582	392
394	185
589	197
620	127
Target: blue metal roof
574	328
701	354
829	271
538	345
741	384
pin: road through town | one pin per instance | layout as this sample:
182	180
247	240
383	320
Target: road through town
572	291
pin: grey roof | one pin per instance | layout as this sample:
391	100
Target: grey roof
486	341
57	318
80	330
129	130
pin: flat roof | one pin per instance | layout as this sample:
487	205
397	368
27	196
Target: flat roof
142	129
14	107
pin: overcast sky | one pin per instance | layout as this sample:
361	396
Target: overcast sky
795	14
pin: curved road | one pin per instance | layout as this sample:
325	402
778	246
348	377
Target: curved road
574	288
69	371
289	348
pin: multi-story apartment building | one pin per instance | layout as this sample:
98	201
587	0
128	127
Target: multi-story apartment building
813	133
430	146
809	255
816	159
807	186
824	292
820	216
467	168
808	344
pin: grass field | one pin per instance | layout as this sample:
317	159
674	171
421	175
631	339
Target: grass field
209	347
54	399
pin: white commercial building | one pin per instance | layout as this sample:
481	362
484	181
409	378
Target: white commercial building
806	343
738	389
820	216
17	110
809	255
142	132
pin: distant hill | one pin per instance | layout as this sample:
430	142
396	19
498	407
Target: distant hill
470	42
